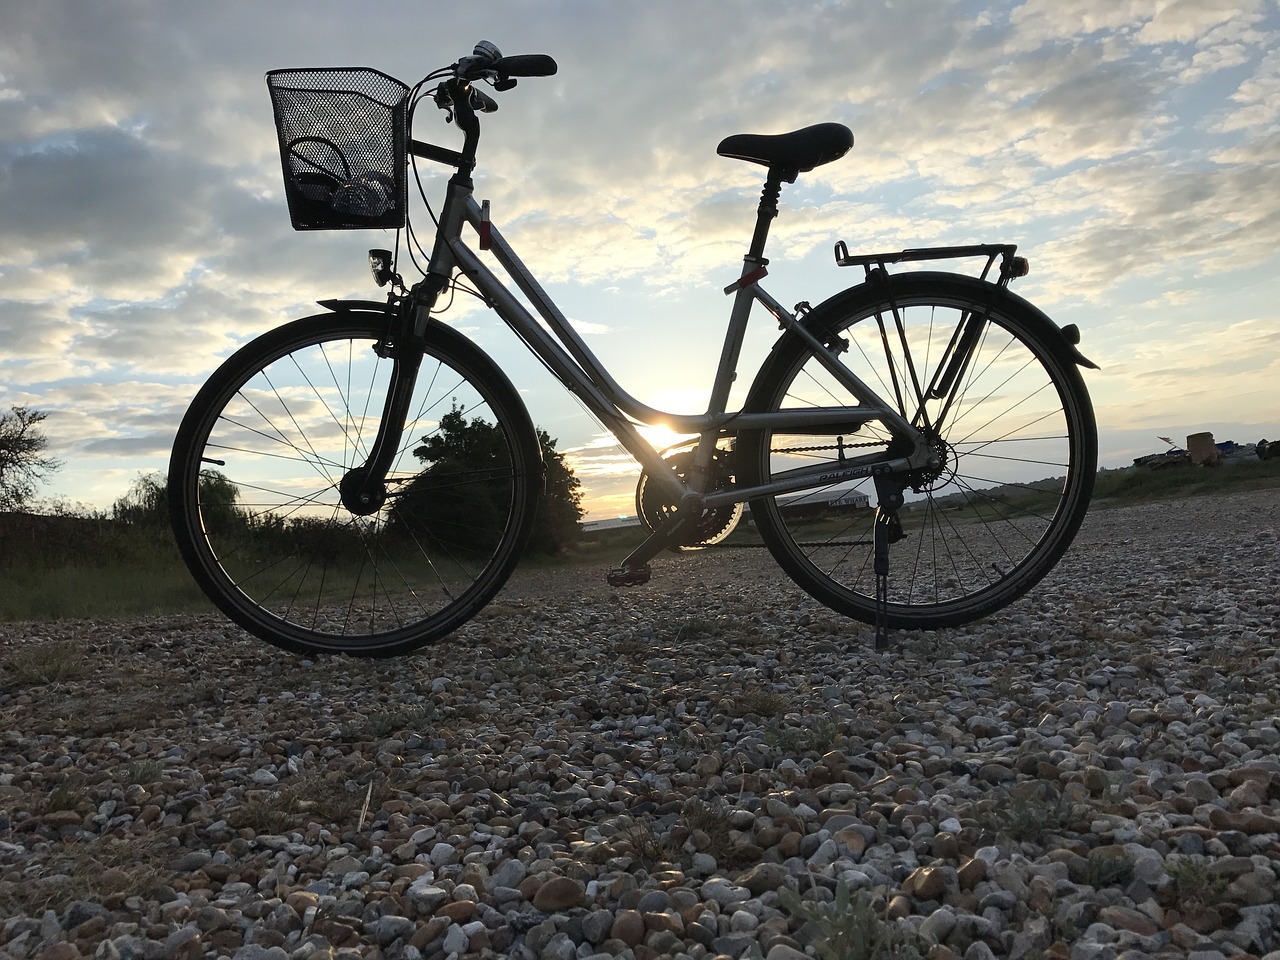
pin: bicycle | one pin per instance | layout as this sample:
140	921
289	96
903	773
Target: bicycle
364	480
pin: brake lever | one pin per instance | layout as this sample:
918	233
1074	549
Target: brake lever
444	102
482	102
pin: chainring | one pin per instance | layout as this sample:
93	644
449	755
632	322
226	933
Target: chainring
655	507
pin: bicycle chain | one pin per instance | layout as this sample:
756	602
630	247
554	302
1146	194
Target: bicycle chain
870	443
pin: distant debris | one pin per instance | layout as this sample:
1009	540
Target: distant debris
1202	450
1173	457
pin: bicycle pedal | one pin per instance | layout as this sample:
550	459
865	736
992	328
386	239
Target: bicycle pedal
628	576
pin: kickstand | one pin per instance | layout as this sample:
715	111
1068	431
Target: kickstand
883	521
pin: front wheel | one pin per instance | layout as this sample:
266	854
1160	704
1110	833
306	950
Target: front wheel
255	489
1013	432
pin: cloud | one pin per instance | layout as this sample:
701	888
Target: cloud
1130	148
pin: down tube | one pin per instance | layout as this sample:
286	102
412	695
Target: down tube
571	373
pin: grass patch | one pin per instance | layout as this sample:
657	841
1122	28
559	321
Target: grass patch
710	820
696	627
1127	487
103	869
74	568
36	664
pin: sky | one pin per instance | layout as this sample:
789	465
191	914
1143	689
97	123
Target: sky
1131	148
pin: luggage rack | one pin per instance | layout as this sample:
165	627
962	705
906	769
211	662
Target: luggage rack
1010	266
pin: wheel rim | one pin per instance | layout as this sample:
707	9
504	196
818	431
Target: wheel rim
980	528
288	560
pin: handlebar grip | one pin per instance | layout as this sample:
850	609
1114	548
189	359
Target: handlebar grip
526	65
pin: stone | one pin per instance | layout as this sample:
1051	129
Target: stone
1124	918
60	951
558	893
763	877
723	892
926	883
387	929
455	940
628	927
971	873
937	926
1246	821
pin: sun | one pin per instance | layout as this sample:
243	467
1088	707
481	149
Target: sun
660	437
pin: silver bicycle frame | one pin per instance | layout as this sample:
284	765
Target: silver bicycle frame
573	362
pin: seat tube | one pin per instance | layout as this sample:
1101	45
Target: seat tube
753	270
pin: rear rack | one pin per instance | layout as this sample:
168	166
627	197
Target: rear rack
1010	266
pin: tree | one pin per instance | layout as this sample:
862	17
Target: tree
23	464
147	502
560	509
460	499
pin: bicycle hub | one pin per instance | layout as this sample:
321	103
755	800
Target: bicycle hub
360	495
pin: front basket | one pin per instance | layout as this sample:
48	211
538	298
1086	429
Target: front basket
342	133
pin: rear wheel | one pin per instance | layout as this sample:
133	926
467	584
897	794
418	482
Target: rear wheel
256	500
1014	435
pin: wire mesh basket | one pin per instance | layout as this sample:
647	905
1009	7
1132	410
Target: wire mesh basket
342	133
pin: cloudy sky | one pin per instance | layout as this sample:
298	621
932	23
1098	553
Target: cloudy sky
1130	147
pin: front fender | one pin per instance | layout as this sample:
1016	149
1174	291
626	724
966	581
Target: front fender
338	306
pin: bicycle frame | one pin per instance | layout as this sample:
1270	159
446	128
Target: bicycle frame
573	362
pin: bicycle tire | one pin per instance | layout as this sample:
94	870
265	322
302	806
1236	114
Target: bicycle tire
1019	448
265	533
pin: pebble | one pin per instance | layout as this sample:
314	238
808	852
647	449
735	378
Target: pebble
580	773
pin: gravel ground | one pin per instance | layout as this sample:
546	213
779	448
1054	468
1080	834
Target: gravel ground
701	767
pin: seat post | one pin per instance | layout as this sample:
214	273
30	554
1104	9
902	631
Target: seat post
765	213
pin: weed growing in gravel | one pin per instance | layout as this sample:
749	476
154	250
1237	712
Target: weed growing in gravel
758	702
648	845
1102	872
1009	682
379	726
1026	812
140	772
696	627
711	819
40	663
818	735
307	799
64	797
1195	886
849	928
525	667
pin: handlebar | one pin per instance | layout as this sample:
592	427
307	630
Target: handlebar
526	65
487	61
461	98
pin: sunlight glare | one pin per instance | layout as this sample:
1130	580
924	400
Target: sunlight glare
661	436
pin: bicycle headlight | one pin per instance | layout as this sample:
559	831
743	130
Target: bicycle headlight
380	266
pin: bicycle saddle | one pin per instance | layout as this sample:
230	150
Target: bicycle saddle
790	153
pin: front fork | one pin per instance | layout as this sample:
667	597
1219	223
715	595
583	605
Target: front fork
363	488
